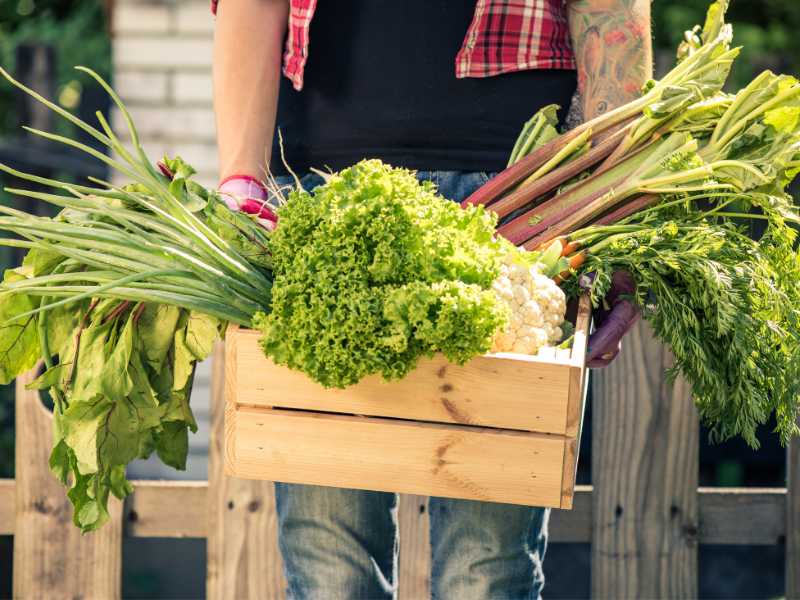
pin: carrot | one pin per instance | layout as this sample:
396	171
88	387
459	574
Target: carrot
577	260
570	248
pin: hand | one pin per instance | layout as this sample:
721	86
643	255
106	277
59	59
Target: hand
247	194
612	321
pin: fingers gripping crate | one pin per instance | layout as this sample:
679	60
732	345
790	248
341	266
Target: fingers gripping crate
501	428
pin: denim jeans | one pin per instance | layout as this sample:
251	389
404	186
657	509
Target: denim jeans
342	544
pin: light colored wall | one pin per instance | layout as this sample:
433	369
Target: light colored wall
162	71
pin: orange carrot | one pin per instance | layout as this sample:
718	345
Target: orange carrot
576	260
569	248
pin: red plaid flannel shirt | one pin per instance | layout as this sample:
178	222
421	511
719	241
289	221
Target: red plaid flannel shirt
504	36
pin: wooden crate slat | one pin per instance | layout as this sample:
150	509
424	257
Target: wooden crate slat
435	391
793	521
52	559
583	322
532	400
440	459
243	557
645	470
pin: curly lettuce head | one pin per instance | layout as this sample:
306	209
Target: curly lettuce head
374	270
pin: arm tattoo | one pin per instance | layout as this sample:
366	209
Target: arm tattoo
613	51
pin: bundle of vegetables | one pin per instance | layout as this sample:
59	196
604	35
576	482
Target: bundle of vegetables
119	295
374	270
128	286
124	290
669	197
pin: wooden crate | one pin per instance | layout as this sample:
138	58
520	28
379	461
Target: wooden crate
501	428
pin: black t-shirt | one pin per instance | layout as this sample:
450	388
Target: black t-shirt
380	83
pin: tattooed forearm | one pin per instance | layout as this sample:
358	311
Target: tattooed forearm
613	50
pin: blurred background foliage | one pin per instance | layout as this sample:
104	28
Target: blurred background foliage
78	32
768	29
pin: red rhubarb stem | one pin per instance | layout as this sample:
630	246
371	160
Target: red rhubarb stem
521	196
549	213
627	209
520	170
506	179
573	221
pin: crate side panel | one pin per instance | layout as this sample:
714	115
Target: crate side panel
400	456
488	391
583	323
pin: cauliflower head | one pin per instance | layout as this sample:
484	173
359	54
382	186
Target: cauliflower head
536	306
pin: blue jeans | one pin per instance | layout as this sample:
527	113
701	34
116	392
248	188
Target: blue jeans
342	544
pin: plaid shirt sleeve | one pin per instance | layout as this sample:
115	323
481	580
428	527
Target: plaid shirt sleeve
504	36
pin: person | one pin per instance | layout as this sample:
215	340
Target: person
442	87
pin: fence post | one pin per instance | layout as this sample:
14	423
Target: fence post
644	471
243	557
51	558
414	582
793	521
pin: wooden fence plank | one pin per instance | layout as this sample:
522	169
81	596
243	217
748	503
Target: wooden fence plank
243	557
177	509
741	516
51	558
172	509
8	490
575	525
644	470
793	521
415	548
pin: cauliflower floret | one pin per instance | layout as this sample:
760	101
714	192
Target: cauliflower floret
537	307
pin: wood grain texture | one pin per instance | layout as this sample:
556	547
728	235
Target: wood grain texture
741	516
426	458
170	509
583	321
568	471
534	393
732	516
8	503
534	389
644	470
793	521
415	548
243	557
51	558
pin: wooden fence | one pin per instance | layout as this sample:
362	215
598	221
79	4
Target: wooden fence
644	517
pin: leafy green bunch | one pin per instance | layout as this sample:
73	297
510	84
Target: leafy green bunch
690	198
722	293
727	305
119	296
373	270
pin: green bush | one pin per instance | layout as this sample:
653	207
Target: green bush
77	31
